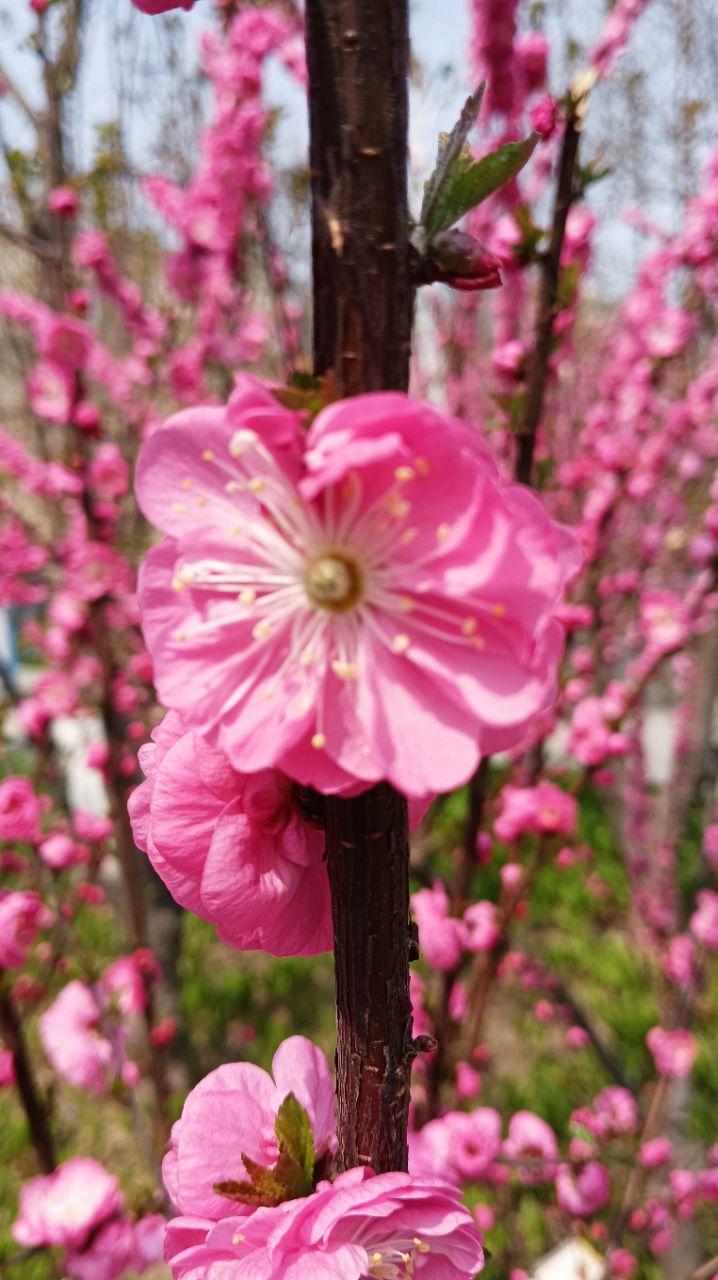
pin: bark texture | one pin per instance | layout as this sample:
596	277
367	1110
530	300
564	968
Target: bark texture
357	54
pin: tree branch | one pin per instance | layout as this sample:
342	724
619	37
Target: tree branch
357	53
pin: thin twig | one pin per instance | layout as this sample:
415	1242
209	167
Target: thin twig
29	1094
548	299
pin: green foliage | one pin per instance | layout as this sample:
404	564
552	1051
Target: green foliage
459	183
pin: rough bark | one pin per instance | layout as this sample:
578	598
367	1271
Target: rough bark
358	62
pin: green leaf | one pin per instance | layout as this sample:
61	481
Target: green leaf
467	183
294	1135
451	147
268	1187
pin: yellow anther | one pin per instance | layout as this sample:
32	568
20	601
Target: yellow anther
405	604
307	657
178	507
201	502
498	610
478	642
235	529
319	741
255	485
468	626
186	484
247	596
345	670
237	1238
402	474
398	507
234	486
207	455
180	636
401	642
422	466
261	629
442	533
408	536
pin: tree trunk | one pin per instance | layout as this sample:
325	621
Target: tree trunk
357	54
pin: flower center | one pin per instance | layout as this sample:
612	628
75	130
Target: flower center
396	1261
333	582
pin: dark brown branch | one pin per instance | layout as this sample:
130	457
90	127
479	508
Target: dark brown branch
357	53
548	296
32	1102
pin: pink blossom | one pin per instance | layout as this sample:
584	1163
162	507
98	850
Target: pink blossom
303	602
458	1146
70	1033
484	929
615	1112
508	358
622	1264
108	474
358	1226
592	739
679	960
21	915
543	116
7	1069
442	937
674	1052
663	619
577	1037
63	1207
121	984
253	865
88	826
530	1136
468	1081
60	851
50	391
19	809
108	1254
232	1111
704	921
544	809
655	1153
161	6
532	50
582	1193
63	200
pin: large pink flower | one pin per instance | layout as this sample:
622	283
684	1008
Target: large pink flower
363	601
232	848
232	1112
359	1227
